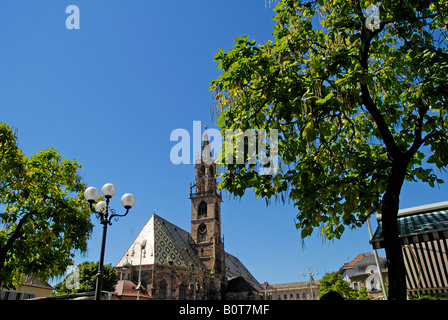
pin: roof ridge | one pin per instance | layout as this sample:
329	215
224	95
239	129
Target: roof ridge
156	216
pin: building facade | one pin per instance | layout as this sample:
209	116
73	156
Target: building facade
305	290
173	264
362	272
30	288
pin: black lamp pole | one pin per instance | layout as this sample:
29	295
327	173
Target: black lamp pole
99	275
102	212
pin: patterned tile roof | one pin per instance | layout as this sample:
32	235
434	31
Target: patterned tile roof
167	244
172	245
235	268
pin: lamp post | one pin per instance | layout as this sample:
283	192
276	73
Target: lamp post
311	281
101	210
142	252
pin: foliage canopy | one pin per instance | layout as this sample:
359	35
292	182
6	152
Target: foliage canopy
43	216
316	85
359	109
333	282
83	279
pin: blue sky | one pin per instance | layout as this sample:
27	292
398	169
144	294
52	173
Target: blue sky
110	94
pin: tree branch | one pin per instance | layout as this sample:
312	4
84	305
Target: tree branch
367	99
17	232
418	131
380	122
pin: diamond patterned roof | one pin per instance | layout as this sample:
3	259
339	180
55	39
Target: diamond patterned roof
166	244
172	245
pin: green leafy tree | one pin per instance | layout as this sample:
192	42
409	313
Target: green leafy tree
83	279
360	106
333	282
44	218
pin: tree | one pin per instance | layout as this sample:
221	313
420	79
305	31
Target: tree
83	279
43	215
333	282
360	107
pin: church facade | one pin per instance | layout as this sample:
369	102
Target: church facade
173	264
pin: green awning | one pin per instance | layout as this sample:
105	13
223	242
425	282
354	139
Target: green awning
416	228
424	236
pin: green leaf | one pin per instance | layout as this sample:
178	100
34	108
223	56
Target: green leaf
324	100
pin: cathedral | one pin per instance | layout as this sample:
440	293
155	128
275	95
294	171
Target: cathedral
168	263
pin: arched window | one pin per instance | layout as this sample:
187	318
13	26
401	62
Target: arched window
162	290
202	210
211	172
217	264
182	292
202	171
202	233
216	210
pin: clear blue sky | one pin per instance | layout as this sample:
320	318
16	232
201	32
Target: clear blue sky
110	94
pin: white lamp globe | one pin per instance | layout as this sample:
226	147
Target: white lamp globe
128	200
91	194
108	190
101	207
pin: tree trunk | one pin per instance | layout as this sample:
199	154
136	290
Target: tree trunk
3	254
2	263
389	212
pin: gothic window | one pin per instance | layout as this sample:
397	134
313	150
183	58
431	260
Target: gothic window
216	210
197	289
202	171
162	290
202	210
182	292
202	233
212	291
218	265
211	172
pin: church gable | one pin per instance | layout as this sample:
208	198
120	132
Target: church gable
165	244
132	255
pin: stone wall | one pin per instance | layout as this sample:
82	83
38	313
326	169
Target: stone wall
177	283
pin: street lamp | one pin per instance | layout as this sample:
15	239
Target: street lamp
311	281
142	252
91	194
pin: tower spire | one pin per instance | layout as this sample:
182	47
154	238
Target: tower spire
206	213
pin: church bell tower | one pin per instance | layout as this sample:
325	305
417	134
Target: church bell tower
206	214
